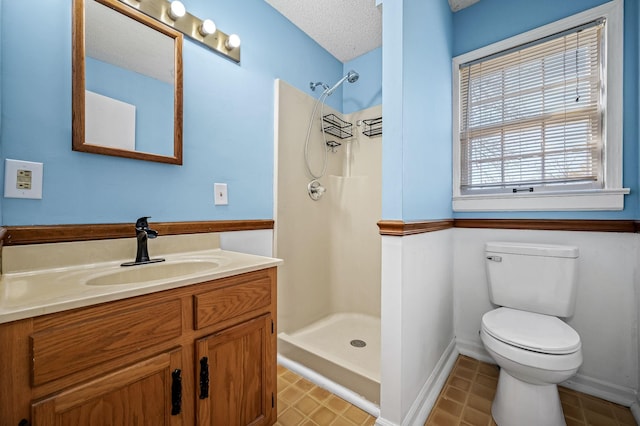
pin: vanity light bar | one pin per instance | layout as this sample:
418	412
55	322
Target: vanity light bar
191	26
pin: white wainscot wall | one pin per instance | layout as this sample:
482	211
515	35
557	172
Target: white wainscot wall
606	306
418	323
258	242
418	349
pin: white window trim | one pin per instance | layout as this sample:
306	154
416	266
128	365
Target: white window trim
611	197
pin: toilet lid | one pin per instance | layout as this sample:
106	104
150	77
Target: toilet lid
531	331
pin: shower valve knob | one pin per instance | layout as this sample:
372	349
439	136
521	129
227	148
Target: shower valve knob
315	190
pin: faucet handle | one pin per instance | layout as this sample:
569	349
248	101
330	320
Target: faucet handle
142	223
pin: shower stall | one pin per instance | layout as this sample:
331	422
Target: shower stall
329	285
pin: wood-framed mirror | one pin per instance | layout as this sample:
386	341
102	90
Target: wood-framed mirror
127	83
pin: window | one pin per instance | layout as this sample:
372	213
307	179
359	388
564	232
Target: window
534	118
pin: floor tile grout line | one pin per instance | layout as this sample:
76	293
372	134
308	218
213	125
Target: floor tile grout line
479	377
612	408
323	402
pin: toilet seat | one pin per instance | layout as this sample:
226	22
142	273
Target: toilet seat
540	333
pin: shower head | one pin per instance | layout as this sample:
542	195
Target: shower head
351	77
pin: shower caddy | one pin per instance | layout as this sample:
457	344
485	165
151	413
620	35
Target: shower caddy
342	129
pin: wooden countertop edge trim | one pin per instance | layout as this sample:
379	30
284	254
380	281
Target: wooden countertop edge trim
39	234
400	228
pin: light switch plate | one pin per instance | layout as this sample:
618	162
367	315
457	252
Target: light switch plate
220	194
22	179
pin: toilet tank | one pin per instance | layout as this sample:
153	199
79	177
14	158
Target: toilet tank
538	278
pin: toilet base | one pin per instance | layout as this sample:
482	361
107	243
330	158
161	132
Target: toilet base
518	403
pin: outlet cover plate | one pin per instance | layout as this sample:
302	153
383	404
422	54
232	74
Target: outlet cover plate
220	194
15	187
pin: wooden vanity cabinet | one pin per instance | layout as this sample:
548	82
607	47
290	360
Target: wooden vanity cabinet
201	355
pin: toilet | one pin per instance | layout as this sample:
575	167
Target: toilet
533	285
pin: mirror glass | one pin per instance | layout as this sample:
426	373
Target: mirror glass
127	83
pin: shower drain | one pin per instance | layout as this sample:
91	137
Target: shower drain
358	343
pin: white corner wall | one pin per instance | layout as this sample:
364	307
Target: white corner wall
417	324
258	242
606	315
635	407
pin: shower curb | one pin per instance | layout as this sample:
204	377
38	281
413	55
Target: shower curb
331	386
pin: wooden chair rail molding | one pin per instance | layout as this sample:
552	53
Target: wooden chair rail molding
19	235
38	234
400	228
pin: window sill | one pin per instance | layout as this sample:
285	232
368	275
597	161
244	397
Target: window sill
603	199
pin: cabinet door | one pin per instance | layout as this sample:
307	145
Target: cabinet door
146	393
236	374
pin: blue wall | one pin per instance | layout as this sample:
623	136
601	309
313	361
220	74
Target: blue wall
492	20
1	115
489	21
427	120
367	91
637	49
417	110
392	110
228	119
228	111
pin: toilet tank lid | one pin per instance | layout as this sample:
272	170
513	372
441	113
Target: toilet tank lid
529	330
549	250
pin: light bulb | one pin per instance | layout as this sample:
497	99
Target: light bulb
232	42
176	10
207	27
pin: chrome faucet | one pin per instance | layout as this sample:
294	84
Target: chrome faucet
143	233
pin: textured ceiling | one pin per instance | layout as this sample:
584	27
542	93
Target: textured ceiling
345	28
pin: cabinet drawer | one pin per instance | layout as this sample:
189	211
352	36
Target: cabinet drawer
83	344
226	303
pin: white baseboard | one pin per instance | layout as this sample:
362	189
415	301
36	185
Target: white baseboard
383	422
426	398
601	389
474	350
581	383
428	395
635	410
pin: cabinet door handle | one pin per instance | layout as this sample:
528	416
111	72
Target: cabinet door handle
176	392
204	377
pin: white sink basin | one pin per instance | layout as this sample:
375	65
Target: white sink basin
154	272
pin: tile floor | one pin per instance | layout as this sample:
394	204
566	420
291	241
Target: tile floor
465	400
467	395
300	402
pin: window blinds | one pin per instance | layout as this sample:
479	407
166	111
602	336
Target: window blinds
531	117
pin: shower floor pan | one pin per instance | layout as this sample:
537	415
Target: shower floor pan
333	347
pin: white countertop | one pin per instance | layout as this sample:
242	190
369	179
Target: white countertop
44	291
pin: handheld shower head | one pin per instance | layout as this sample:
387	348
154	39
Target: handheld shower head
351	77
